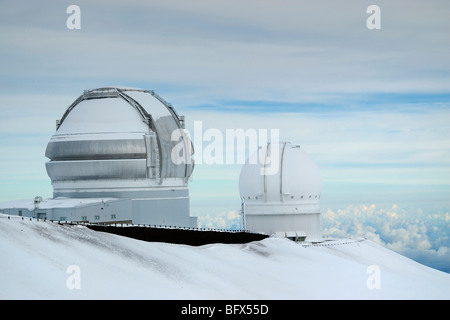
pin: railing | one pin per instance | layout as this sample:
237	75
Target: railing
119	224
329	243
325	243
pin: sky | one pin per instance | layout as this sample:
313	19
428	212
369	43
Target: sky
371	106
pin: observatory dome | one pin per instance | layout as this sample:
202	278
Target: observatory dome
280	172
280	188
113	140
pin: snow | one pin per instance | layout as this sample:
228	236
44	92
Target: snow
37	255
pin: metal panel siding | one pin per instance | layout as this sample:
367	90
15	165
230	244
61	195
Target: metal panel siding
96	149
79	189
96	169
165	124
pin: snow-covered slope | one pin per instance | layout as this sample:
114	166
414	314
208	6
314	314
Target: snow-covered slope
36	259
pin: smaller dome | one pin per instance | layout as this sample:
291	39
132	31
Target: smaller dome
280	172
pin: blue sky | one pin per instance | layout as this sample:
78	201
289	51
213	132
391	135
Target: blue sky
372	107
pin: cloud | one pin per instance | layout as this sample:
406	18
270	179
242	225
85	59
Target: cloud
422	237
358	147
230	220
244	49
419	236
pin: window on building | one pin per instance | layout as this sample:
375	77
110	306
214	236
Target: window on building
62	218
113	216
83	218
97	217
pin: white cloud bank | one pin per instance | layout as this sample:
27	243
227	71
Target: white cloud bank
422	237
230	220
419	236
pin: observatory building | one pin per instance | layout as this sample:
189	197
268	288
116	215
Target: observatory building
111	161
280	188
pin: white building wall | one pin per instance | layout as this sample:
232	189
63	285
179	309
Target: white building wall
166	211
101	212
308	224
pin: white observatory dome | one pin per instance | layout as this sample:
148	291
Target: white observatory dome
119	155
280	187
112	141
127	146
291	175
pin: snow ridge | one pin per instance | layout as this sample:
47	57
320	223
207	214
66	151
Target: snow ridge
36	256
